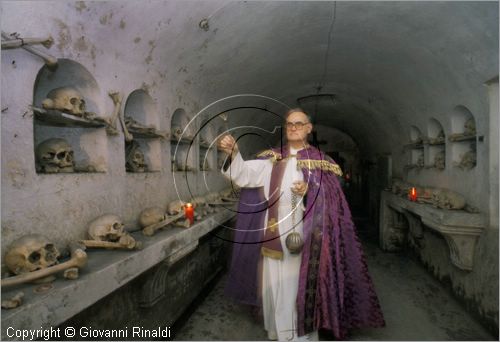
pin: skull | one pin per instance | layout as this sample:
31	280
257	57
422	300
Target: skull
107	227
134	158
468	160
439	160
470	127
55	155
447	199
30	253
65	99
151	216
175	207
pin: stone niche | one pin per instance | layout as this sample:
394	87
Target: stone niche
207	147
182	142
67	106
143	152
463	138
415	149
435	145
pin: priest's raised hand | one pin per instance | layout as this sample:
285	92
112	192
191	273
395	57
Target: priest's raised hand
228	145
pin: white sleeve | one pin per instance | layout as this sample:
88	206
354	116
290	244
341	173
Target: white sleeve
250	173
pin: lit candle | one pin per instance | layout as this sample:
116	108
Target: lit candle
413	194
189	212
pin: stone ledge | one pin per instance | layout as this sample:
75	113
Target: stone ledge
105	272
459	228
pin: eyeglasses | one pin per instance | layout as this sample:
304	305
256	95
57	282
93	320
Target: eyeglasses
298	125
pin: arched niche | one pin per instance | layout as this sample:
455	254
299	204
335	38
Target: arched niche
87	138
207	147
463	138
415	135
182	147
436	140
142	119
416	149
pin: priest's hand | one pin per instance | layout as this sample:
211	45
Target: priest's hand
228	145
299	188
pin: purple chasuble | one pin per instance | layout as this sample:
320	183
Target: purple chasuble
336	292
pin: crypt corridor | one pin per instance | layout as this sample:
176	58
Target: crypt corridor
111	111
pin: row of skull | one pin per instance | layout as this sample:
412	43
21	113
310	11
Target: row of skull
467	160
439	198
469	130
34	251
56	155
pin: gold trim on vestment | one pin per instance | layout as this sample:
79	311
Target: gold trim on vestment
270	154
271	253
324	165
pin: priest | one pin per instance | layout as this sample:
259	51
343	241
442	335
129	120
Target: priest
296	252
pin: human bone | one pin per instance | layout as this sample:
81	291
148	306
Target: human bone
16	42
468	160
78	259
151	229
151	216
447	199
440	160
134	158
65	99
117	101
55	155
30	253
183	223
126	241
107	227
424	194
14	302
175	207
470	127
71	273
49	60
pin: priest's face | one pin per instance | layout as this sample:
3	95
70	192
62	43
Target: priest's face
297	127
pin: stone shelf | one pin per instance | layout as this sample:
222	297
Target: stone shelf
140	133
459	228
60	119
414	145
462	138
105	272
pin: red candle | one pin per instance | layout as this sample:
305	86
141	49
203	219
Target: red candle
413	194
189	212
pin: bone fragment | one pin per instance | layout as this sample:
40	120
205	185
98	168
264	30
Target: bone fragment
151	229
14	302
49	60
78	259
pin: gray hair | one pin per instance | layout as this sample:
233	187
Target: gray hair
299	110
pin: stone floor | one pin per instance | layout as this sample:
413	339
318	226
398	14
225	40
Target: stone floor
415	305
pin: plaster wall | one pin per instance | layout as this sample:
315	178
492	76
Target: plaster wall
95	35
